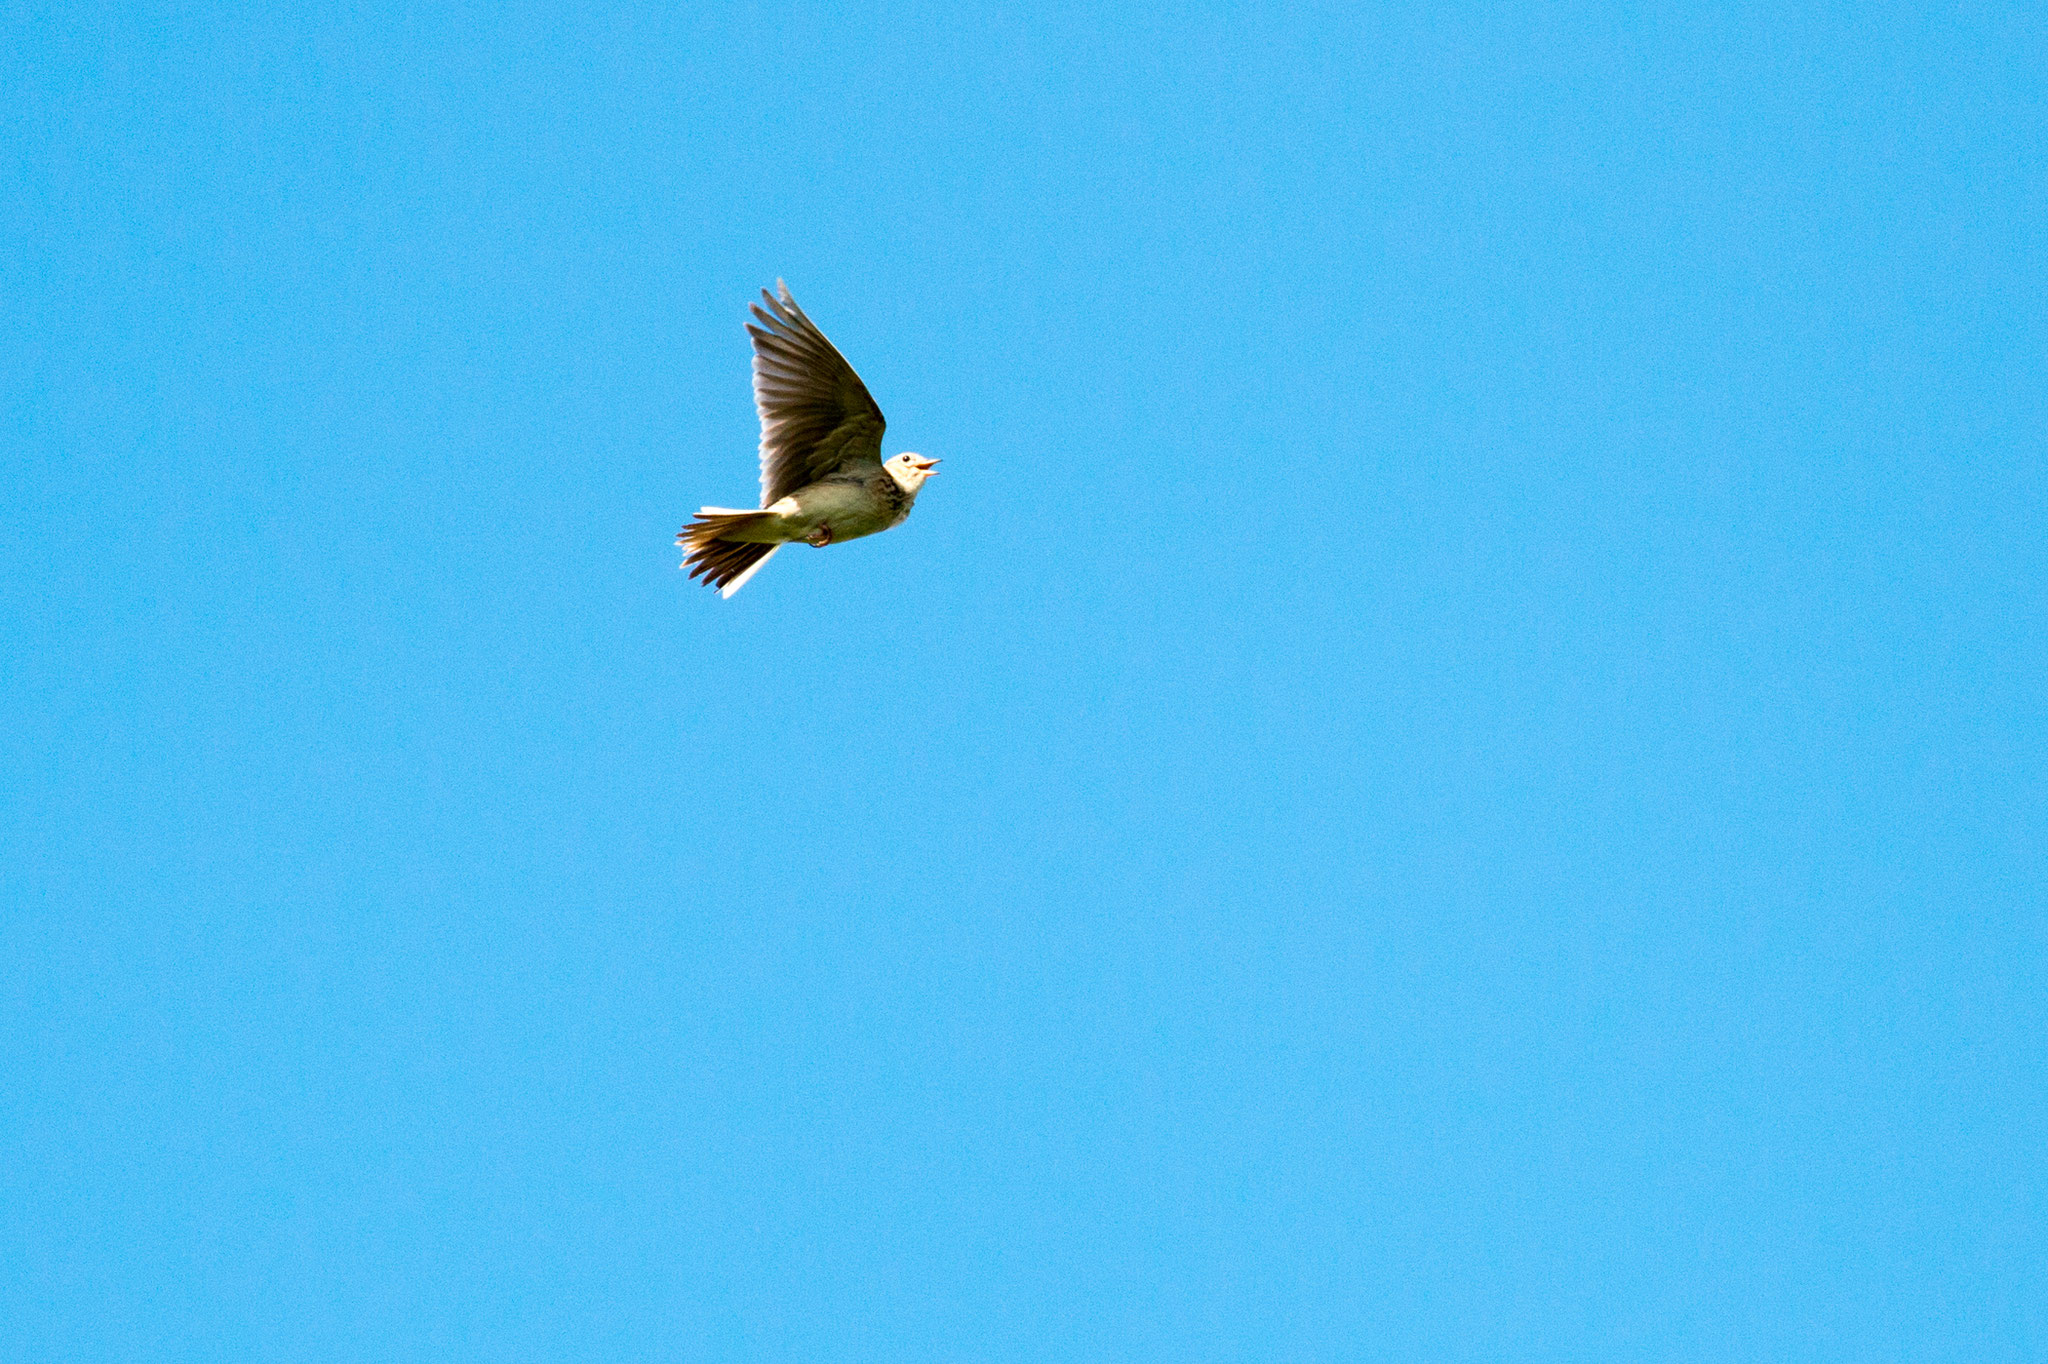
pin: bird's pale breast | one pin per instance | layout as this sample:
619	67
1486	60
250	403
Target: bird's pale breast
852	508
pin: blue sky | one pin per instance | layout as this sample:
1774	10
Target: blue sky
1453	767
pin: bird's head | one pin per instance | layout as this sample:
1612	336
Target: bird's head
910	471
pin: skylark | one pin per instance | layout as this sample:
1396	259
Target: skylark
823	479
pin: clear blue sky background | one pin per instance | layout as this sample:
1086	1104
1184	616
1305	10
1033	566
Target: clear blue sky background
1453	767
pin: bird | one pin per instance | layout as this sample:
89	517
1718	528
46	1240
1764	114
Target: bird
823	479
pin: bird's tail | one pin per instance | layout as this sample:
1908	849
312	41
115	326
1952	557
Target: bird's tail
721	563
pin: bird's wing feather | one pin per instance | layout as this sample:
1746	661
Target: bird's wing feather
816	414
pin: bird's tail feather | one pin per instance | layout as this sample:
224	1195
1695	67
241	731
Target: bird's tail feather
723	564
760	555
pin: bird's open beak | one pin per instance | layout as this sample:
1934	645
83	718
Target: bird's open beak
926	466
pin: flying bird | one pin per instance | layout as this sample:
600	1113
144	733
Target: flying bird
823	479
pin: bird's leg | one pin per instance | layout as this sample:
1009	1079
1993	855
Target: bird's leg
822	536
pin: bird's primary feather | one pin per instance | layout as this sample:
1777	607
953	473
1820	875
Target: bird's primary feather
816	414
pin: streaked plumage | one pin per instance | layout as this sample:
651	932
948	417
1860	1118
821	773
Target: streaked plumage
822	475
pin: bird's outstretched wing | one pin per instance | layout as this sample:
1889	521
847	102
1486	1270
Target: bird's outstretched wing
816	414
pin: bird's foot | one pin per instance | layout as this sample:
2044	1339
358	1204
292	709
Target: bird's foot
820	537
